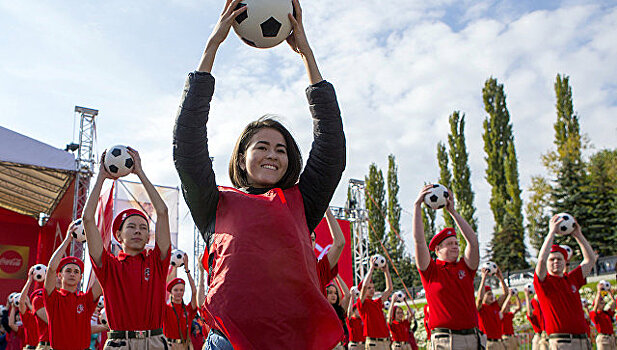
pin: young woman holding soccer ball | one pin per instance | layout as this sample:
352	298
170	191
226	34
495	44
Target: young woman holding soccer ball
263	290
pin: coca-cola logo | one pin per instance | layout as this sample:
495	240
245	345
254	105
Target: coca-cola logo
11	261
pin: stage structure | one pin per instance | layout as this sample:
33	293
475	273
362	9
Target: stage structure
355	212
84	166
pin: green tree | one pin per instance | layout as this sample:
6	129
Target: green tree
396	247
537	210
502	175
428	219
445	178
375	202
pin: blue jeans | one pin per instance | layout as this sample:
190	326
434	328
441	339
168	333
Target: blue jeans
217	342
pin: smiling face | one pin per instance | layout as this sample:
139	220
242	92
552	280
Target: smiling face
399	314
489	298
134	234
265	159
332	295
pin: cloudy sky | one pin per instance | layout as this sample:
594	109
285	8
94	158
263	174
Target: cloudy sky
399	69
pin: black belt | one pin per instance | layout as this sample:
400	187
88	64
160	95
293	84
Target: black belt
493	339
455	331
567	336
176	341
606	334
30	347
377	339
134	334
44	343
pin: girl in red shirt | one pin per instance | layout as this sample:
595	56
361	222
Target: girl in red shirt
178	317
354	321
400	324
333	296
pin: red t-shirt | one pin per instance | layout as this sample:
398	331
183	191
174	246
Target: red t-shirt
325	273
32	332
375	325
536	320
448	309
185	315
507	328
356	329
134	288
41	325
400	330
490	323
561	303
69	318
603	321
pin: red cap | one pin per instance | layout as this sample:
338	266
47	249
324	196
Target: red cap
173	282
441	236
555	248
488	289
71	260
125	214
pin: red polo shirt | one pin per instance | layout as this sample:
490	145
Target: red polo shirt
183	316
561	303
603	321
450	295
32	332
490	323
69	318
356	329
536	320
375	325
507	326
38	303
134	288
400	330
325	273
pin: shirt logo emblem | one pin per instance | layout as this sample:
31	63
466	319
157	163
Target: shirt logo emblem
147	274
461	274
80	308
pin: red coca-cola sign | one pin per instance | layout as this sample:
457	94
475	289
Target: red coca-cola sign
13	261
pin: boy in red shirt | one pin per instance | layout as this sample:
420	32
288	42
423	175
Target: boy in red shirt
448	281
178	317
603	319
68	309
534	316
400	325
510	341
375	326
134	281
560	301
489	311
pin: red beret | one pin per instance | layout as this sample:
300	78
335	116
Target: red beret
71	260
488	289
555	248
441	236
125	214
173	282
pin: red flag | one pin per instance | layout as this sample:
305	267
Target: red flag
105	215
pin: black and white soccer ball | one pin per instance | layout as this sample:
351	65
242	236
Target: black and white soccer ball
16	297
118	161
355	291
567	225
491	267
103	316
101	302
38	272
78	232
264	23
399	296
386	304
568	250
379	261
177	258
514	291
604	285
11	296
529	288
437	197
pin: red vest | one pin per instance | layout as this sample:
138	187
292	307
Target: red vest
264	291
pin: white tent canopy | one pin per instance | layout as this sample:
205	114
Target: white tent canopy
33	175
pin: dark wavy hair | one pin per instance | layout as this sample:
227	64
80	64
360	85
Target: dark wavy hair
294	164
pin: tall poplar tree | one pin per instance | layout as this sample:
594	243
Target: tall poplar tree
374	188
537	211
445	178
502	175
394	212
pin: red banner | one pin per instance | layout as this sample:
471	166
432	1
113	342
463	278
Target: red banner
323	242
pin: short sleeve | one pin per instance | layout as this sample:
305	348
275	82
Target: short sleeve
90	302
426	274
38	303
324	272
101	272
163	264
576	277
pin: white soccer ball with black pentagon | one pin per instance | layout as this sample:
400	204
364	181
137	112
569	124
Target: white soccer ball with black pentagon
103	316
514	291
437	197
529	288
491	267
604	285
399	296
16	297
379	261
11	296
355	291
264	23
386	304
38	272
177	258
78	232
101	302
118	161
567	225
568	250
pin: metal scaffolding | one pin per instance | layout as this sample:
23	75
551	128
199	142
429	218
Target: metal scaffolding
356	213
84	165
